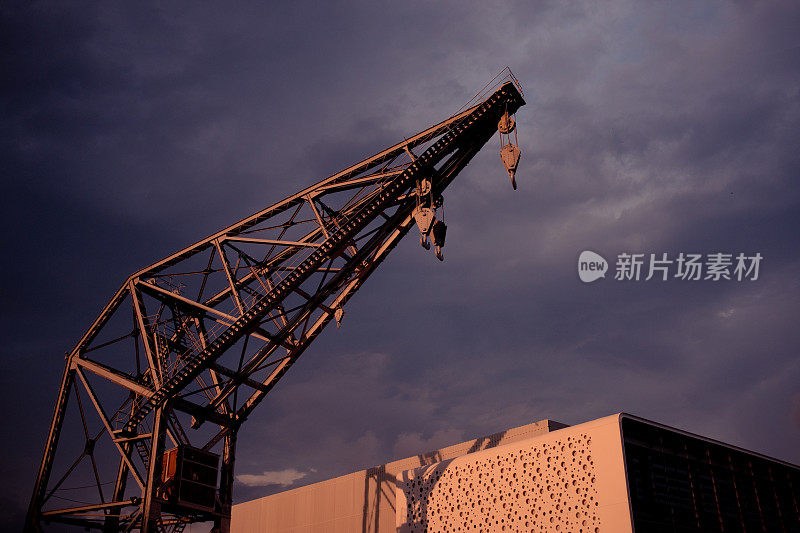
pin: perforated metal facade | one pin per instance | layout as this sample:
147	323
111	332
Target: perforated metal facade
548	486
571	480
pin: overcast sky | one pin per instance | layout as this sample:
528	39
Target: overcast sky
128	131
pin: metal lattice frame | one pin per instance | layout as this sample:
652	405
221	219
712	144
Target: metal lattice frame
189	346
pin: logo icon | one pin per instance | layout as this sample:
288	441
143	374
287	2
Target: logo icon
591	266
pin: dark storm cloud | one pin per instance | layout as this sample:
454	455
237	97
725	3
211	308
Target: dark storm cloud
128	132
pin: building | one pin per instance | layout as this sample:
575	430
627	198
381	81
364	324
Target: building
616	474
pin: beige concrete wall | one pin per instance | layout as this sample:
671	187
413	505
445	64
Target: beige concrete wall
335	505
362	501
571	480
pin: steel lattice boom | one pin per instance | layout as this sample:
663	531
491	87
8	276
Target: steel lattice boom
189	346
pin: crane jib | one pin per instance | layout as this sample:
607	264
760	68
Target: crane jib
216	325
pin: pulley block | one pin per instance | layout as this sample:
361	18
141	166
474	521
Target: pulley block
506	124
510	154
424	216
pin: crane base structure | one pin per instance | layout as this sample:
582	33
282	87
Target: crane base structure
143	434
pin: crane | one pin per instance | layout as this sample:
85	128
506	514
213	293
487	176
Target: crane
143	434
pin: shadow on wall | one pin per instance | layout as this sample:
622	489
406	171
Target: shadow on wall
381	482
417	515
378	485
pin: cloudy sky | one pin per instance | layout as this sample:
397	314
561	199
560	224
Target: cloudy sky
129	131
